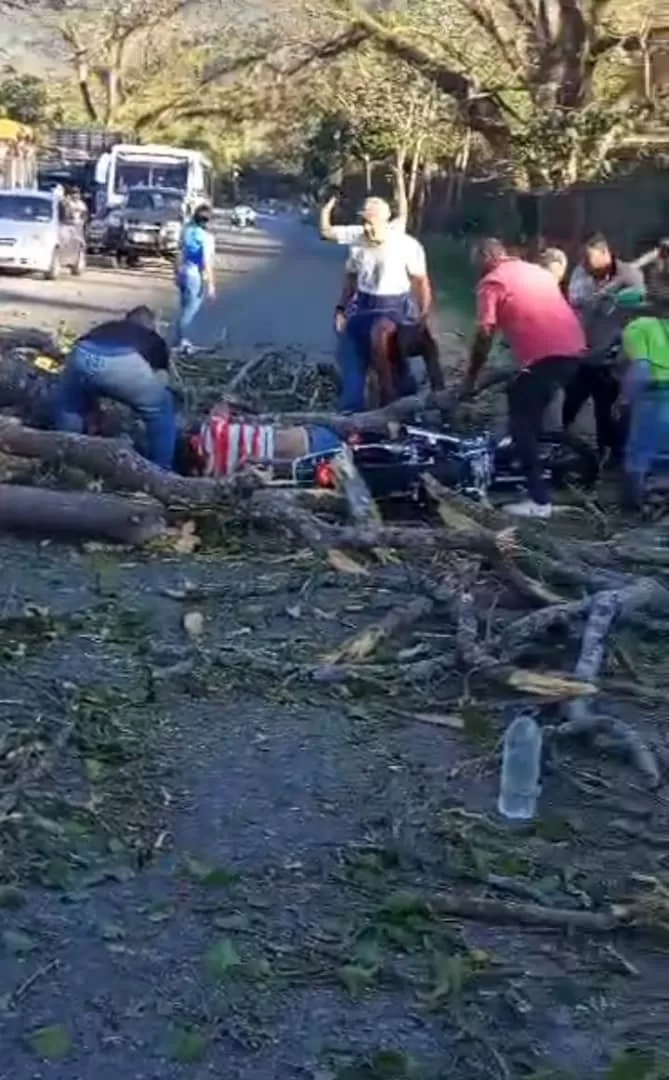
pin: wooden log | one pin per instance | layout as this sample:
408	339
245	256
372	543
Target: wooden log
362	645
505	912
114	460
77	514
361	504
381	421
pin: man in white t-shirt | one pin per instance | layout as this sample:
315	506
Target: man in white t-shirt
386	272
353	234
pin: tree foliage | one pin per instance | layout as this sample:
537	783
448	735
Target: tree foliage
23	97
518	69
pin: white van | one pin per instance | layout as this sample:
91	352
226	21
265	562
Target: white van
128	165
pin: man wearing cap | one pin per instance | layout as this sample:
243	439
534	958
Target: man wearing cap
386	286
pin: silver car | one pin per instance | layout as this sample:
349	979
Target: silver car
38	236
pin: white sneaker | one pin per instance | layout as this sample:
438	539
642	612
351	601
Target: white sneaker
528	508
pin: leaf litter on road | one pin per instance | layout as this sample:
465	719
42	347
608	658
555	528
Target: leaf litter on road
336	826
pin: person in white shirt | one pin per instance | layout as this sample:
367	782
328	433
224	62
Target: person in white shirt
353	234
386	272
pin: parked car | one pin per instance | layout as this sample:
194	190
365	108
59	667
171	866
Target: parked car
37	236
243	217
148	224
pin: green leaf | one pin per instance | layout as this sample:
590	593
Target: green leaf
94	769
188	1046
11	897
203	874
356	978
15	941
391	1065
51	1043
634	1065
222	958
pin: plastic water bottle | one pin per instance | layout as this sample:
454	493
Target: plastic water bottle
521	767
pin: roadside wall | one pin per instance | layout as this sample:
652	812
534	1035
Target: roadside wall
633	211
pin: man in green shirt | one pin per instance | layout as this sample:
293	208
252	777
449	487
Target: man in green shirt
645	388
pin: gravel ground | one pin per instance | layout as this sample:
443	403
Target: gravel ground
230	871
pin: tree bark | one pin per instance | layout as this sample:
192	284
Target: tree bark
77	514
116	461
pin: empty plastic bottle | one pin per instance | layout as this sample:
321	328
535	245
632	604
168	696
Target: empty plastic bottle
521	767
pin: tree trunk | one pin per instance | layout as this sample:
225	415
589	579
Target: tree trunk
462	167
77	514
414	165
85	90
367	164
116	461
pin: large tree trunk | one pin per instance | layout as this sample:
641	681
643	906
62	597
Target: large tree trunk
66	514
115	461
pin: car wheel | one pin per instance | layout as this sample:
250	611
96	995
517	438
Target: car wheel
132	261
80	265
54	269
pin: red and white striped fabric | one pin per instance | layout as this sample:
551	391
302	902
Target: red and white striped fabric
226	444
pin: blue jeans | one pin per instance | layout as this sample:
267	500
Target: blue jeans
94	371
648	437
354	351
191	296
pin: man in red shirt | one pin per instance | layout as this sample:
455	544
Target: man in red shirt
523	302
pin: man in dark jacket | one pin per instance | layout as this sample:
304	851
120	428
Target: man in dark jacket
128	361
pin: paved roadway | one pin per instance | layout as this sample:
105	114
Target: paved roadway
276	283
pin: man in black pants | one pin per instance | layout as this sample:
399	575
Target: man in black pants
523	302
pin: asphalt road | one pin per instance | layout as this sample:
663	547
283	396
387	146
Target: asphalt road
277	284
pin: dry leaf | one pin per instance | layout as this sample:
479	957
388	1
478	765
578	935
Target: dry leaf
187	540
342	562
449	720
193	623
559	687
507	540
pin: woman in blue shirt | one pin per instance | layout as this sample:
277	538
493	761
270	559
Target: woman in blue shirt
195	275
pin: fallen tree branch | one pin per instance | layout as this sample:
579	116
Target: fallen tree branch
580	719
78	514
505	912
381	421
546	685
603	611
361	505
364	644
115	461
523	633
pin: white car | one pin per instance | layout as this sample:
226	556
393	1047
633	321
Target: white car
38	236
243	216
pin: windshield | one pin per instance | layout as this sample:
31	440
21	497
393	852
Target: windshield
147	199
25	208
150	174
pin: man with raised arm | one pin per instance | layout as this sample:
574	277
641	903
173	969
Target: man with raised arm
353	234
386	286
